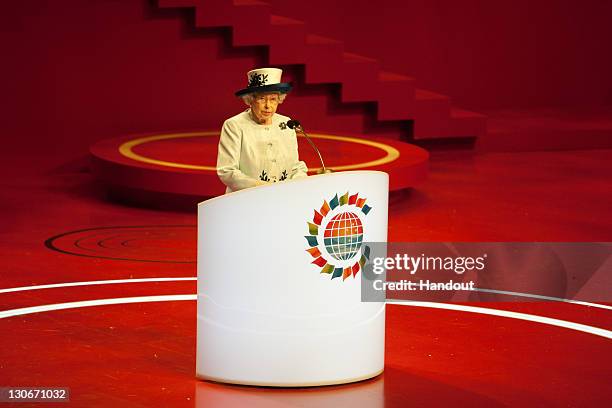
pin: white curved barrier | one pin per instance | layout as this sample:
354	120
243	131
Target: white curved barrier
268	315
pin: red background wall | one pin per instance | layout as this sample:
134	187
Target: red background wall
484	54
77	71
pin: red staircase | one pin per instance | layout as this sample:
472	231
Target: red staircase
325	61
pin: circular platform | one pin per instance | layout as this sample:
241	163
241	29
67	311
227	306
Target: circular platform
162	166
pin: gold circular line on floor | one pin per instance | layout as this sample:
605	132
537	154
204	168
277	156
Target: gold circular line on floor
125	149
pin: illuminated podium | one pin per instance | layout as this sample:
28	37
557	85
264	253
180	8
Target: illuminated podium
279	282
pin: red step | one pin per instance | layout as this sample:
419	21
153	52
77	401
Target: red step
287	41
360	82
396	100
326	61
432	115
249	19
467	124
178	3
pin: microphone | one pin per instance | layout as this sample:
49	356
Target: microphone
295	124
292	124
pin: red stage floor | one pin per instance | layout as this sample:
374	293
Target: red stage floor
57	227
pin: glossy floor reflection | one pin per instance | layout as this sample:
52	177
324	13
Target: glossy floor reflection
369	393
143	354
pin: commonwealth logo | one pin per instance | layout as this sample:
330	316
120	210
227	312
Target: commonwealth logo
336	236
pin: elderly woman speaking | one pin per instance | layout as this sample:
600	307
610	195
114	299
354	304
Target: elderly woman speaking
256	146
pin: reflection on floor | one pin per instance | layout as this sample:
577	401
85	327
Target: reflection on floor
142	354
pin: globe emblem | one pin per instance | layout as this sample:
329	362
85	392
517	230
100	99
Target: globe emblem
343	236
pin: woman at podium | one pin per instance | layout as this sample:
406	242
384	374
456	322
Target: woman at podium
256	146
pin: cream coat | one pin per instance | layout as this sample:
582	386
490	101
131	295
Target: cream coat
251	154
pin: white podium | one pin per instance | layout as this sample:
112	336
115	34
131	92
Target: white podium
279	282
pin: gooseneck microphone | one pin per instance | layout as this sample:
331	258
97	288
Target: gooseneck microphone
294	124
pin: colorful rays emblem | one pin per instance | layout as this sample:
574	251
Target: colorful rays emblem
336	236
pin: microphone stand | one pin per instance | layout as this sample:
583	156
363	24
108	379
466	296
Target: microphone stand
323	169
